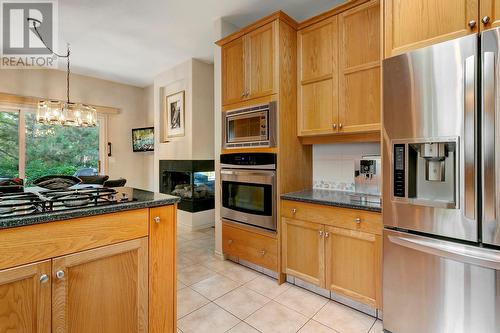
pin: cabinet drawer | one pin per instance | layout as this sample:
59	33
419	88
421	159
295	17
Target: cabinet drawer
252	246
32	243
333	216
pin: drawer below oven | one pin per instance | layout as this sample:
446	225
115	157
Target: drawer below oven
253	246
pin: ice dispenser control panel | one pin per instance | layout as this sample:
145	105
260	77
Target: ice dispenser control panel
399	170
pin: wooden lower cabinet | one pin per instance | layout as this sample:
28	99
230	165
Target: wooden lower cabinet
102	290
254	246
353	264
124	281
303	250
25	299
340	251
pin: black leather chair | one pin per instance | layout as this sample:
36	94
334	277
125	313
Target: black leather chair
95	180
115	182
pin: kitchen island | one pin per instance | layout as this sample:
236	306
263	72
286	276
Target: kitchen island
101	268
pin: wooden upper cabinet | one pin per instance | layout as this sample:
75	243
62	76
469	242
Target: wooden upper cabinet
303	250
102	290
249	65
353	264
317	63
359	81
412	24
261	61
489	14
25	299
233	71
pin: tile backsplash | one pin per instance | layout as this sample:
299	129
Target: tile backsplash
334	164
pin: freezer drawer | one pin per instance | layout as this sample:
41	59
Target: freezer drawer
430	285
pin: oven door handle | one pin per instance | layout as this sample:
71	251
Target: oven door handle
248	172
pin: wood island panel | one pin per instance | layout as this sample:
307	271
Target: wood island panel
27	244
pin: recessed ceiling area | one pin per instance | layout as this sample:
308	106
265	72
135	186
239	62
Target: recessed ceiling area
131	41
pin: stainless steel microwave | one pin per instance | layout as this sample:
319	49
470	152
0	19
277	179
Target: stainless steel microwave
249	127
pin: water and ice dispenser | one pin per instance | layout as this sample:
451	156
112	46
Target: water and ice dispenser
425	173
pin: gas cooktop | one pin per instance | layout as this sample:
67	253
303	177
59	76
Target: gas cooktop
30	203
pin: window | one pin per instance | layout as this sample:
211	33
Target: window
30	150
9	144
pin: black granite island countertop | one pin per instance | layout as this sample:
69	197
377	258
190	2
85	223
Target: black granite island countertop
332	198
139	199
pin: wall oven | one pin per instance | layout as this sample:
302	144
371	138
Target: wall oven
249	189
249	127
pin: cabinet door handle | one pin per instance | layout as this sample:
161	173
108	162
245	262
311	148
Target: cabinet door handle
262	253
340	125
243	94
472	24
294	210
321	233
44	278
485	20
327	234
230	241
334	126
157	219
60	274
358	220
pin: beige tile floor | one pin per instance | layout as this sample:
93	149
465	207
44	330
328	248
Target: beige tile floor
221	296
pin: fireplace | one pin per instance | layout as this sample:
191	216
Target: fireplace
191	180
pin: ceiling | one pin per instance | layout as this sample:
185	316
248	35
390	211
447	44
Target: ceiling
131	41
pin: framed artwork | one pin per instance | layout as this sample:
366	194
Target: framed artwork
143	139
174	113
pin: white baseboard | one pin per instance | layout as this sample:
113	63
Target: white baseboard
196	221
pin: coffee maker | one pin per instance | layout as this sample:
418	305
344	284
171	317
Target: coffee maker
367	178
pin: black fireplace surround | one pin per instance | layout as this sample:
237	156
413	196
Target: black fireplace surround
192	180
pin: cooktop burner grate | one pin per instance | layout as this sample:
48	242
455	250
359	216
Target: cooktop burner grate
29	203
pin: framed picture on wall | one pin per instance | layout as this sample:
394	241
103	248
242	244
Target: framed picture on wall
174	114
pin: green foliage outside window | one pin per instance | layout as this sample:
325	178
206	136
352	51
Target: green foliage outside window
50	149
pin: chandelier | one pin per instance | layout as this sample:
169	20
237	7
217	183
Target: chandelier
63	113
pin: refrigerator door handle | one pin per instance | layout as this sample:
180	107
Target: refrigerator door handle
455	251
488	142
469	139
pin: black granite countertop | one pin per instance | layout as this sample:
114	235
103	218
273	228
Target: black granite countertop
332	198
140	199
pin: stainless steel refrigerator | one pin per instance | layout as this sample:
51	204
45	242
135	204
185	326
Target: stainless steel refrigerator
441	187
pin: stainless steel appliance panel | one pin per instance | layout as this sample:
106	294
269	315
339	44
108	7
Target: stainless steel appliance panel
256	178
430	96
435	286
253	126
490	137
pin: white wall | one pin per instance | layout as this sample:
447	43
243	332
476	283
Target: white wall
221	30
196	79
334	164
51	84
